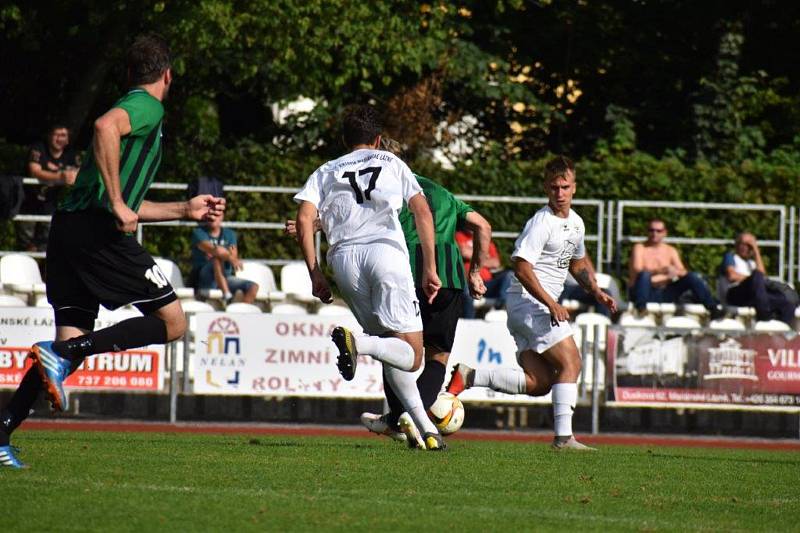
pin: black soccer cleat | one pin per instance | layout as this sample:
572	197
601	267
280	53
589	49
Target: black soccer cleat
348	354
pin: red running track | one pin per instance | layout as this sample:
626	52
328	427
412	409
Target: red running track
349	431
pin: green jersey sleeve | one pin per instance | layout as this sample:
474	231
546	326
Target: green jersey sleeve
462	208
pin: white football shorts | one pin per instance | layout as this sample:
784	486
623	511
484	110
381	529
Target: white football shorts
531	327
377	284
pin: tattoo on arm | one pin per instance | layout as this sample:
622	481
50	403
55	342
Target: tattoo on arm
585	280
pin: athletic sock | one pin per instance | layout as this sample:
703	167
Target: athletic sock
390	350
131	333
395	405
565	396
430	382
405	386
5	427
509	380
19	407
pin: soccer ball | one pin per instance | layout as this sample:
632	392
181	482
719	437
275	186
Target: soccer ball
447	413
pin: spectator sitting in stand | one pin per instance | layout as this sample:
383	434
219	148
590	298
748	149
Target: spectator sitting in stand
54	164
215	257
657	274
749	286
495	278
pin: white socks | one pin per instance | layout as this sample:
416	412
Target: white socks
510	380
565	396
390	350
404	385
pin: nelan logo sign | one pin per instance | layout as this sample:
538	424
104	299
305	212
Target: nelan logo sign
224	340
223	337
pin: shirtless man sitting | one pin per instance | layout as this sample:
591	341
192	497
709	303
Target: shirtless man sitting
657	273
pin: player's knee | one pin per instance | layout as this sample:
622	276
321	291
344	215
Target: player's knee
571	369
417	363
176	326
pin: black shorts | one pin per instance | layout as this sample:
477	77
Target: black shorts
91	262
439	319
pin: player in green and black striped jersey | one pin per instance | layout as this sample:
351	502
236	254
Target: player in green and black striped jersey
139	157
439	318
92	258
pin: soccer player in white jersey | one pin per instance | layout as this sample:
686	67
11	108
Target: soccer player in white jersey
551	242
358	198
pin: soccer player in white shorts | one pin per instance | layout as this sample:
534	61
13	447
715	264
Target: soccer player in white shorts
358	198
551	243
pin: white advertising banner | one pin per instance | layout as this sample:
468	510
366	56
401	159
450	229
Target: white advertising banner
277	355
292	355
487	345
140	369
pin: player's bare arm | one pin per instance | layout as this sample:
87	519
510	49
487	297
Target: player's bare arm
290	227
108	130
524	272
203	207
423	219
481	238
306	215
583	272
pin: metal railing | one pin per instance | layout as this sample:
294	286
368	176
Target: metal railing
781	243
609	219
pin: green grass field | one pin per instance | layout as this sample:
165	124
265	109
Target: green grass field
182	482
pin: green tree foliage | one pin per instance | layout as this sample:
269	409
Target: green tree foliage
656	99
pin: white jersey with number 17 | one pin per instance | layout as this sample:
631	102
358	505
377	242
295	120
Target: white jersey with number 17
359	197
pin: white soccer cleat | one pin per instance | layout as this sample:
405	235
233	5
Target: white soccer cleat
377	424
412	434
559	444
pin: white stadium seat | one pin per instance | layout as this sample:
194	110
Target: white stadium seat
242	307
19	273
289	309
295	281
589	321
190	307
729	324
775	326
334	310
6	300
195	306
262	274
630	320
684	322
173	274
695	309
496	315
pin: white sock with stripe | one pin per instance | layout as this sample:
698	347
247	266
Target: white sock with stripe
394	352
565	396
509	380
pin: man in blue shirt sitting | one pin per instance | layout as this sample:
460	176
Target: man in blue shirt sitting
215	258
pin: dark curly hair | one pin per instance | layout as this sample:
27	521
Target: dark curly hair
361	125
